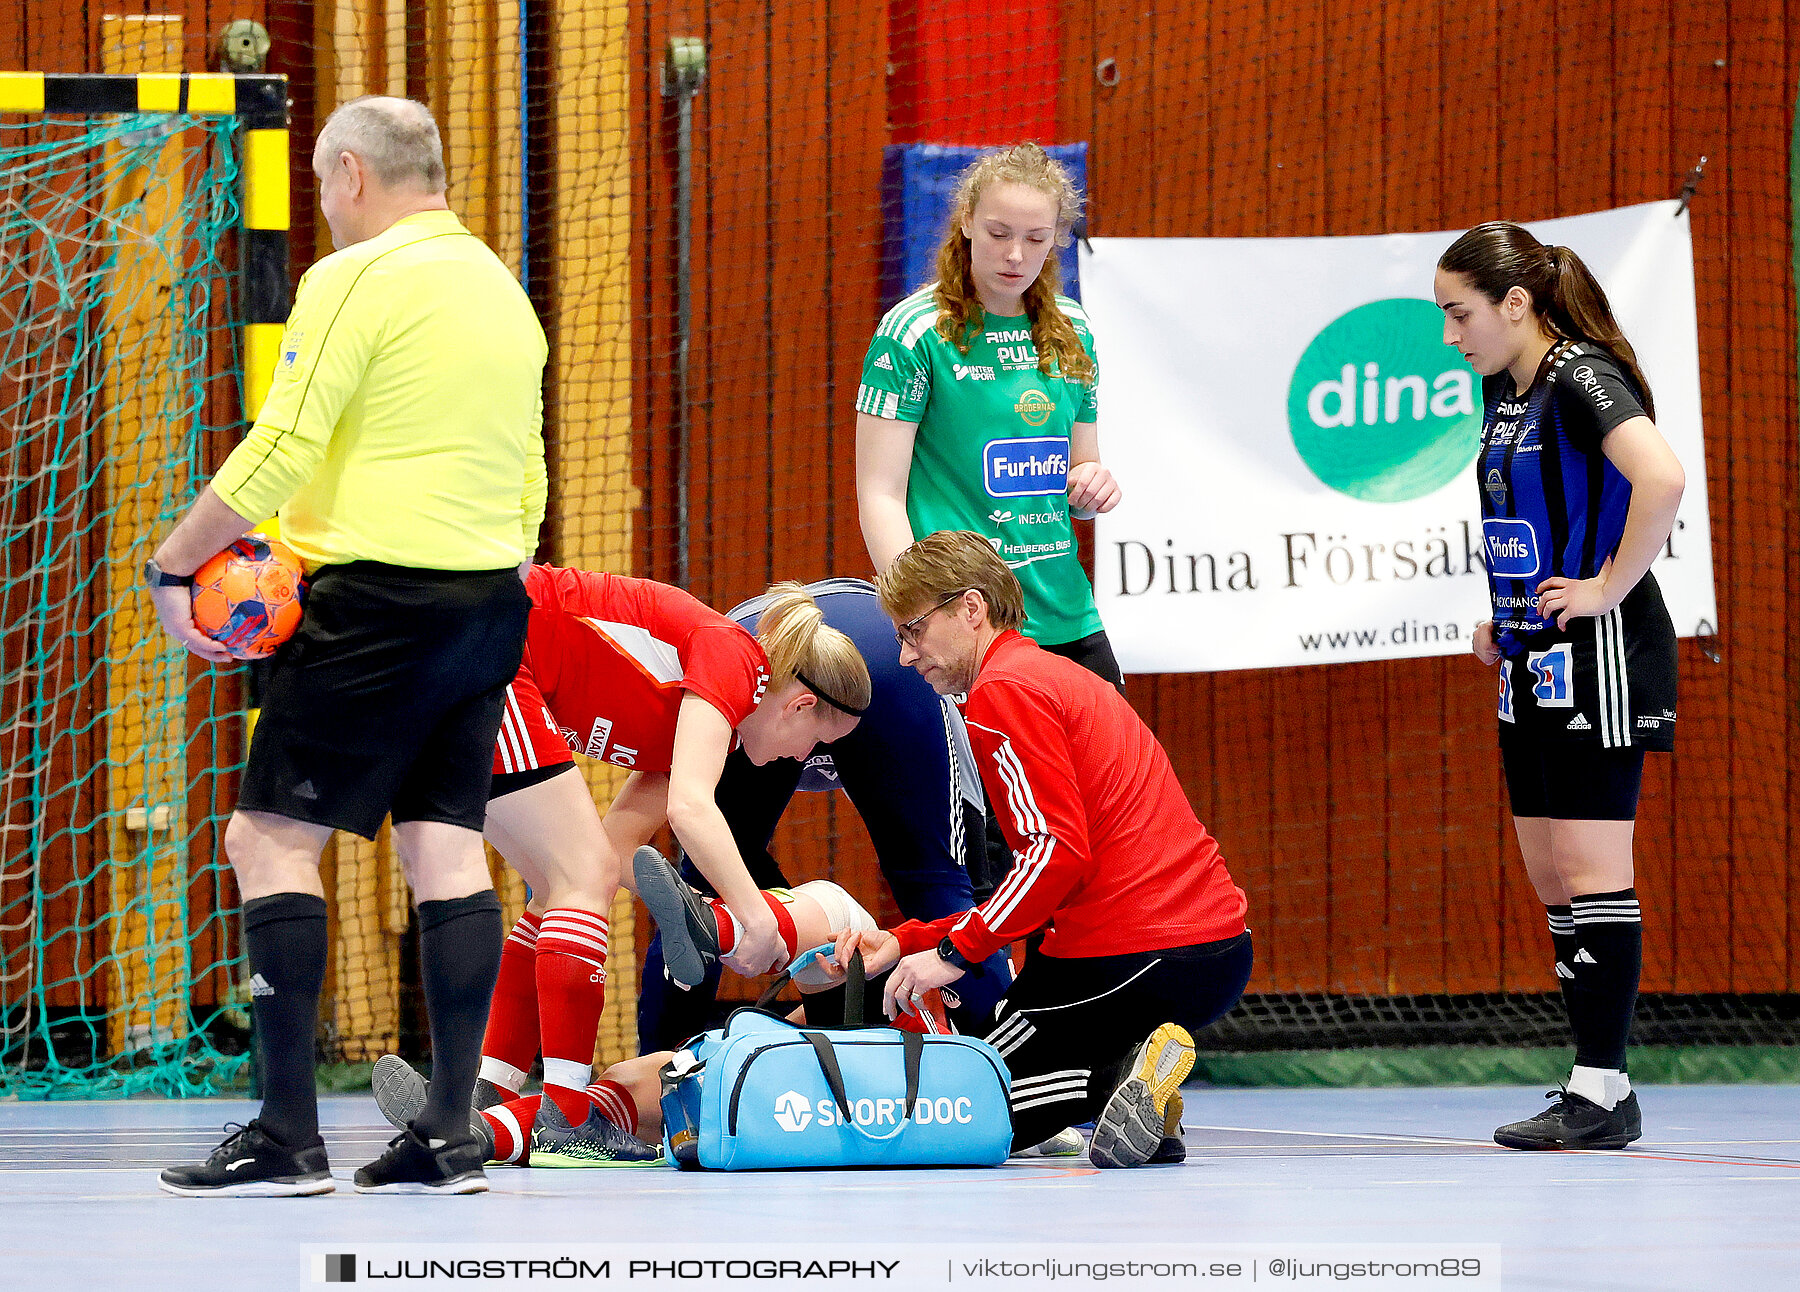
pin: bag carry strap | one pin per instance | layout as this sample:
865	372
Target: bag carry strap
854	985
913	1047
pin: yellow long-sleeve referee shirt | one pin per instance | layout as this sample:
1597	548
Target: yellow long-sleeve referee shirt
404	423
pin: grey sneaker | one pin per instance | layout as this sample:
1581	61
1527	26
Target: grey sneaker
400	1095
1065	1143
1132	1126
596	1142
690	930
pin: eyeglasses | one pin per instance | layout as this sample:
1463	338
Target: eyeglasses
907	634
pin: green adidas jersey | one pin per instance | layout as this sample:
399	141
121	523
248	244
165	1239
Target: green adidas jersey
992	450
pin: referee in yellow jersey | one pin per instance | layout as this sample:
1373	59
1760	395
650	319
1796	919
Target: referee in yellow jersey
402	443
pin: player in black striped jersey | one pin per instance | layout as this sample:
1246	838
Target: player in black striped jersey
1579	491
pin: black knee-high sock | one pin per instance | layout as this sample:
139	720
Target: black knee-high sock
459	959
1608	959
285	937
1564	944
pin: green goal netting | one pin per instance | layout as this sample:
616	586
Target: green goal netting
119	958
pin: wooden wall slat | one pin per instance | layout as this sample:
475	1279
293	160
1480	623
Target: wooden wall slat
1355	182
1298	764
1700	893
1241	810
1642	171
799	340
1416	753
1759	102
732	310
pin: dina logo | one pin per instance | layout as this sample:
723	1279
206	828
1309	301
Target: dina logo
1379	409
793	1111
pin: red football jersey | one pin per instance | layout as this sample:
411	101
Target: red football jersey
607	660
1110	858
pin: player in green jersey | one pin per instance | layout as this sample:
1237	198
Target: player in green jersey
977	406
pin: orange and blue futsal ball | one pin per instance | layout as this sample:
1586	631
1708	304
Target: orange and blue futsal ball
248	597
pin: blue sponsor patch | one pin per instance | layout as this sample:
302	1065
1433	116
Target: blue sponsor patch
1511	548
1023	468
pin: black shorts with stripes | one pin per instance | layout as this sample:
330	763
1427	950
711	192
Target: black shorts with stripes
1067	1027
1606	682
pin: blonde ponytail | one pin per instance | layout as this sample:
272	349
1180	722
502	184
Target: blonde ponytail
800	644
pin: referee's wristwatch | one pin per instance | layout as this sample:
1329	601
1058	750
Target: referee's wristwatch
157	577
948	953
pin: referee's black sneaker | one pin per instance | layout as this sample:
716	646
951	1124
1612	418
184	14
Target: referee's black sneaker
690	930
411	1165
1575	1121
251	1164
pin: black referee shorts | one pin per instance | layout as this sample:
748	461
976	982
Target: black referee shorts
388	700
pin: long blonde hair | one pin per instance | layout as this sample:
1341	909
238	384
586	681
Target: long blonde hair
960	311
797	640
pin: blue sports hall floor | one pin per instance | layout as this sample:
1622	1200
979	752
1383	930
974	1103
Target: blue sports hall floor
1710	1198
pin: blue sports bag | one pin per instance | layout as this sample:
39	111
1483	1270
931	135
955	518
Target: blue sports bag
763	1093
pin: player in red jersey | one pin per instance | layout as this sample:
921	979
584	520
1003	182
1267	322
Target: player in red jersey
1144	935
646	677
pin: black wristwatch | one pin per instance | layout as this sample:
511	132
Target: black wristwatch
157	577
948	953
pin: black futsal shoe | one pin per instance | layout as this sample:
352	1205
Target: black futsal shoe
250	1164
1574	1121
411	1165
690	930
597	1142
488	1095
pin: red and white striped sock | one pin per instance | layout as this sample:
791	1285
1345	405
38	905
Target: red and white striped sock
511	1042
510	1124
615	1104
729	932
571	988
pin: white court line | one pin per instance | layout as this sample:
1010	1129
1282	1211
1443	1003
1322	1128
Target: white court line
1390	1138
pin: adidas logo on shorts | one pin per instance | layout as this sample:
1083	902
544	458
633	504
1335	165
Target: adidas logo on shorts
259	986
1579	723
882	361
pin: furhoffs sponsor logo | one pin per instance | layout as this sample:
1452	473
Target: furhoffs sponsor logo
1025	468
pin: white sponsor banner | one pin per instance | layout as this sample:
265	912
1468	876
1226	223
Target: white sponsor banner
1296	444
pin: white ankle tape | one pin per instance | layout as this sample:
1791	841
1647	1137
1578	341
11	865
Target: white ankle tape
841	910
568	1074
501	1073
